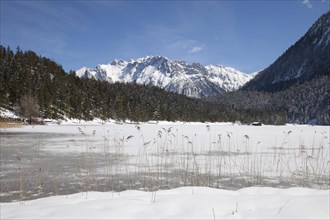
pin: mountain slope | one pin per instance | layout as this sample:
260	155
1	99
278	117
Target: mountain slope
306	59
193	80
297	83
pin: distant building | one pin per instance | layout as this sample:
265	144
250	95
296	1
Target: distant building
256	123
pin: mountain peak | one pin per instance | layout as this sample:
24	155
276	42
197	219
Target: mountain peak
117	62
320	30
194	80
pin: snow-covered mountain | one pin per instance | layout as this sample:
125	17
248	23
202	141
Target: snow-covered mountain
307	59
193	80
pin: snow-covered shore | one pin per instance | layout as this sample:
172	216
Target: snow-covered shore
179	203
223	153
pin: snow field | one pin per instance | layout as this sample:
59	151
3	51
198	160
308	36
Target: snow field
186	158
179	203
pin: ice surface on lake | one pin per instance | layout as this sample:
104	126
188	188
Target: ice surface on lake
39	161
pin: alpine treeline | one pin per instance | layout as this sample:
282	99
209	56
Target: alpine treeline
59	95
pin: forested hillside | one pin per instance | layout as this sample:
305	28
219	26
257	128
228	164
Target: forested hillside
301	103
307	59
296	83
57	94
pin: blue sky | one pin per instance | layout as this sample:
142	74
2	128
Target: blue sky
247	35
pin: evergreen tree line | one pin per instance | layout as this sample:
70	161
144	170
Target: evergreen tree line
27	79
301	103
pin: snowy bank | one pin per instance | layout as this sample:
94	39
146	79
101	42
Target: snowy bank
179	203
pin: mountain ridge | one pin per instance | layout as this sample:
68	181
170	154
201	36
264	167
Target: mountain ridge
308	58
297	83
192	80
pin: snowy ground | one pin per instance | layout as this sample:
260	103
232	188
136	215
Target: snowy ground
179	203
43	161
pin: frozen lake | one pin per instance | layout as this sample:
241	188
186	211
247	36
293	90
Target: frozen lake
39	161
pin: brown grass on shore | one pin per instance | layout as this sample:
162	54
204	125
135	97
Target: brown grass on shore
6	124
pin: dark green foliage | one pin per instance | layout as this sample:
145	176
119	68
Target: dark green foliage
307	102
61	94
301	103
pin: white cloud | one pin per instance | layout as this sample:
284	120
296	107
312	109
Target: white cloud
196	49
307	3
